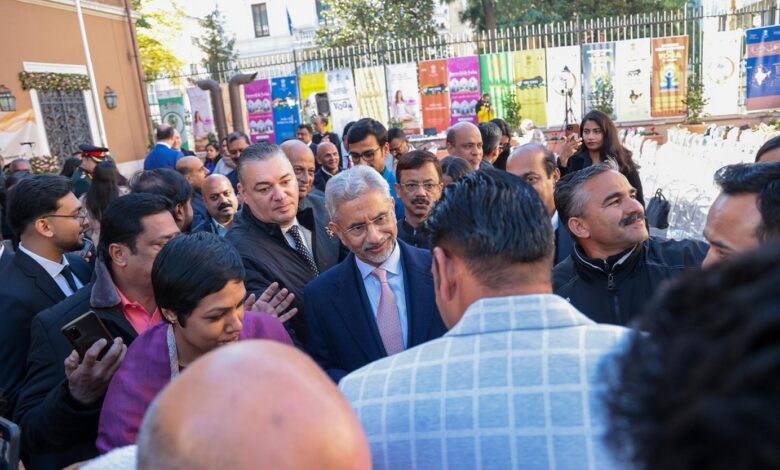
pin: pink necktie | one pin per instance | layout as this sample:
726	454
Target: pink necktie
387	316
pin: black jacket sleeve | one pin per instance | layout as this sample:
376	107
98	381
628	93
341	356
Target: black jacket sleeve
317	345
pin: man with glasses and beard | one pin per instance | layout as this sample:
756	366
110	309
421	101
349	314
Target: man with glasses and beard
380	300
615	267
419	185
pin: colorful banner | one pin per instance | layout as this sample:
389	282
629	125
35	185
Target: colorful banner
202	119
342	98
670	76
372	93
531	85
17	127
314	96
598	74
497	76
434	96
260	114
284	92
633	75
172	112
720	71
464	88
763	68
403	97
564	75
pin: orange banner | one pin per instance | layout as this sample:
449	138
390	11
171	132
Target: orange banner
670	76
434	95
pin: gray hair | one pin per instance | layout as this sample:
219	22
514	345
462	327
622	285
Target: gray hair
259	152
351	184
569	200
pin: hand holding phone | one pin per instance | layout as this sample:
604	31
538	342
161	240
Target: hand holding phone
85	331
88	377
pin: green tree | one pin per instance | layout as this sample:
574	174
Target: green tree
154	30
218	49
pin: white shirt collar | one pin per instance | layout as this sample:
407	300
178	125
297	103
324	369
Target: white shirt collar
295	222
392	264
51	267
555	220
2	248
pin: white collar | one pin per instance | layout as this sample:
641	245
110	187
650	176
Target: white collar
2	247
295	222
53	268
392	264
555	220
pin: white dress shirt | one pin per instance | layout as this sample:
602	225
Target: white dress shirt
54	270
555	220
304	231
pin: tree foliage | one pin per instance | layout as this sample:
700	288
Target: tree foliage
155	29
218	49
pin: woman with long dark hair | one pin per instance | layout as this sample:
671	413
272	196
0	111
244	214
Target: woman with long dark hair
107	185
600	142
212	157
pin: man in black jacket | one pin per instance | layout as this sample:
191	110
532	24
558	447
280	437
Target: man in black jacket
276	241
49	221
615	267
59	407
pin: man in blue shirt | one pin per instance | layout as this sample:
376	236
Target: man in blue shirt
163	155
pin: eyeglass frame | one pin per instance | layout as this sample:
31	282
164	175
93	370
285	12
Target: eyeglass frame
416	185
352	231
362	156
81	215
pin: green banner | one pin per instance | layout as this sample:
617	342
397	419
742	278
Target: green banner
497	77
172	112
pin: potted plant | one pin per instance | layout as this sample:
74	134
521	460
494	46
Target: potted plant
694	104
602	97
511	110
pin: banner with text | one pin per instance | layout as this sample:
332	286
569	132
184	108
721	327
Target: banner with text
670	76
434	96
284	92
762	68
633	76
403	97
372	93
343	101
720	71
530	77
172	112
314	96
202	118
260	114
564	73
598	74
495	71
464	88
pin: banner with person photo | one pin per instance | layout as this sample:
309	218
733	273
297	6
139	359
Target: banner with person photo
496	74
633	74
202	118
464	89
372	93
260	114
434	96
720	71
564	76
403	97
314	96
342	98
761	67
670	76
530	78
284	92
171	104
598	75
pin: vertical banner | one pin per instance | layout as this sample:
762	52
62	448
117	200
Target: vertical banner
284	92
762	68
495	70
172	112
670	75
531	85
720	71
17	127
464	88
598	74
314	96
434	96
202	118
372	93
260	114
633	74
342	98
403	97
564	76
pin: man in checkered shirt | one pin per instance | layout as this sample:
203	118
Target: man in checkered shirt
515	383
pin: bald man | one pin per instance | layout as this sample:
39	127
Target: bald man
465	141
207	419
195	172
302	159
221	203
329	160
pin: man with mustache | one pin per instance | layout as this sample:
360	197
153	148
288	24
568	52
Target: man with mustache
378	301
221	202
419	185
615	267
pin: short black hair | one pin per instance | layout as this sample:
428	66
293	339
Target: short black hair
307	127
164	182
699	388
455	167
505	131
761	179
491	137
165	132
33	197
321	117
768	146
395	133
367	127
568	199
12	179
234	136
122	220
185	271
258	152
346	129
414	160
494	221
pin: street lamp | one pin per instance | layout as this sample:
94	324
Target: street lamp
110	98
7	100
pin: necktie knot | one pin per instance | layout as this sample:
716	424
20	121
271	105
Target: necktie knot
380	274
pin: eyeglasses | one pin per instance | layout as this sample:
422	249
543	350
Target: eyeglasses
81	215
427	186
367	156
382	220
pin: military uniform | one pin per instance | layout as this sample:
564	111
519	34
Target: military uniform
82	179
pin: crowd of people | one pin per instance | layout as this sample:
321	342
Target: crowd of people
502	307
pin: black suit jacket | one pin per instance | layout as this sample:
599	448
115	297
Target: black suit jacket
6	258
200	215
343	335
321	179
564	245
25	290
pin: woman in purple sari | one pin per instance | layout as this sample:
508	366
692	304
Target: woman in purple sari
198	284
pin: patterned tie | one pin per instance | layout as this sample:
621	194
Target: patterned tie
68	275
300	247
387	316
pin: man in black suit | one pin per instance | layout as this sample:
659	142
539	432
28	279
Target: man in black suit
49	221
321	132
329	161
380	300
60	406
276	241
221	203
535	164
194	171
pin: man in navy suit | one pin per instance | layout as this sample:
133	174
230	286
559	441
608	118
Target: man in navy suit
536	165
378	301
163	155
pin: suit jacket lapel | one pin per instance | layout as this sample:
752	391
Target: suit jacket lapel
419	301
116	322
42	279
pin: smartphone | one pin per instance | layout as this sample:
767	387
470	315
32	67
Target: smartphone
572	129
87	247
9	445
84	331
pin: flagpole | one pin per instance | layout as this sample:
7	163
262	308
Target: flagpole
91	73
